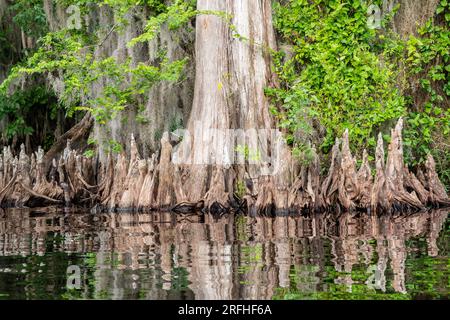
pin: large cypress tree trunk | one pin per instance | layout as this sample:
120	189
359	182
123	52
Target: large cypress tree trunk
231	75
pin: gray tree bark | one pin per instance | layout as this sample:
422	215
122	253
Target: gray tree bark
231	75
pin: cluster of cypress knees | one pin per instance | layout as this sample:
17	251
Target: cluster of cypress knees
128	182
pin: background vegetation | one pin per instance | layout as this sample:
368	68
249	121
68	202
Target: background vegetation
339	73
335	72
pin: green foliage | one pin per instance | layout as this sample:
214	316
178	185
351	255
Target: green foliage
428	125
48	141
427	274
339	292
58	51
89	153
115	146
175	124
251	259
240	189
336	74
17	106
295	116
6	49
249	154
69	54
175	15
29	15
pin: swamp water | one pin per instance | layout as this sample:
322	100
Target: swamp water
50	254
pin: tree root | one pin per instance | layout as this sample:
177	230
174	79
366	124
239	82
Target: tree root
39	195
156	183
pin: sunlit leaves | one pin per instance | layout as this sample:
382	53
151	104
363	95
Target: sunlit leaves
337	60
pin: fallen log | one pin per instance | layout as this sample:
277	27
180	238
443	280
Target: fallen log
76	134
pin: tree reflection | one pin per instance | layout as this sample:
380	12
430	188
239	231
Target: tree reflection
164	256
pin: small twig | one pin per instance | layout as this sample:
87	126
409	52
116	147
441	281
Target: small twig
104	39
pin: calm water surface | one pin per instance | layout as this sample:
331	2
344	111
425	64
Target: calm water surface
163	256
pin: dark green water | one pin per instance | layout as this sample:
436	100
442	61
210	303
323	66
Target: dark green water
56	255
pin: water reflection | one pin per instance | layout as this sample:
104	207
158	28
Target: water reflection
163	256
